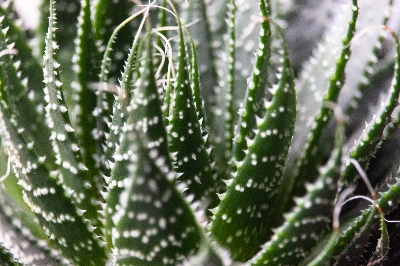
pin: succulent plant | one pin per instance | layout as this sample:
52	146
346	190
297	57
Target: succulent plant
200	133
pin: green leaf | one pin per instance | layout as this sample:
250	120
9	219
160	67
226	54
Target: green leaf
255	92
124	91
346	245
371	138
72	171
30	67
6	258
243	219
312	213
321	81
382	247
196	11
221	134
62	221
108	14
24	114
85	59
368	39
18	212
153	224
161	231
104	100
145	115
25	247
187	142
68	13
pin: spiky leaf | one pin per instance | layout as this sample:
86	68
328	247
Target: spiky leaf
305	223
242	221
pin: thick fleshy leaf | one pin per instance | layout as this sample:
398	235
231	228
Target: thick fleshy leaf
108	14
371	138
191	158
24	246
255	93
16	210
145	115
243	219
124	93
196	11
67	19
30	67
360	67
84	60
311	215
63	223
345	246
321	81
154	225
25	116
104	99
71	172
221	134
382	247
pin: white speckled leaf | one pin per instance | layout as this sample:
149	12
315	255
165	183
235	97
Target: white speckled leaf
25	115
242	222
320	81
256	87
84	101
196	12
72	171
144	115
371	137
154	225
62	221
368	38
186	139
311	215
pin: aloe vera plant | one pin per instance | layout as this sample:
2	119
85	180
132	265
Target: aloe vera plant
198	133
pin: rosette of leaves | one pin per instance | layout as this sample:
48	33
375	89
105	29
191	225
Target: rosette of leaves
216	142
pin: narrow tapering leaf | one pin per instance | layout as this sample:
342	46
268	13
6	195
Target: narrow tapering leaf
25	115
25	247
345	246
162	231
243	219
30	66
159	231
62	221
191	158
105	100
321	82
255	93
108	14
196	11
145	115
370	139
382	247
304	224
124	91
72	171
84	60
225	131
360	67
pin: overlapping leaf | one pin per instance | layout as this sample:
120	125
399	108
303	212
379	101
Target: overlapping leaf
191	157
243	219
153	224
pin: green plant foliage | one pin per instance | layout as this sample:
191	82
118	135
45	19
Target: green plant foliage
213	144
